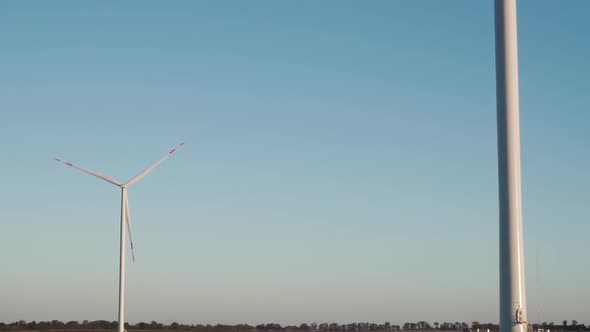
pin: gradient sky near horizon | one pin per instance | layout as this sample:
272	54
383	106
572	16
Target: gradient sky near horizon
340	163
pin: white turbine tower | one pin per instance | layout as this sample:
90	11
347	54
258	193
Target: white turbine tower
124	219
513	313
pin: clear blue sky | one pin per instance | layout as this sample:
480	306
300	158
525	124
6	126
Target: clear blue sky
340	161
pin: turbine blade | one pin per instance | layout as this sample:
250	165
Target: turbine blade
149	169
128	219
98	175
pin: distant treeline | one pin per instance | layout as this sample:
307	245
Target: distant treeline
155	326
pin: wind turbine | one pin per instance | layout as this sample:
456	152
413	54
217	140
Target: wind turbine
124	219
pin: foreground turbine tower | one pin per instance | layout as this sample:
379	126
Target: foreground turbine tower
124	219
513	316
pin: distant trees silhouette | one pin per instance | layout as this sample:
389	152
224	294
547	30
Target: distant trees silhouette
106	325
322	327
